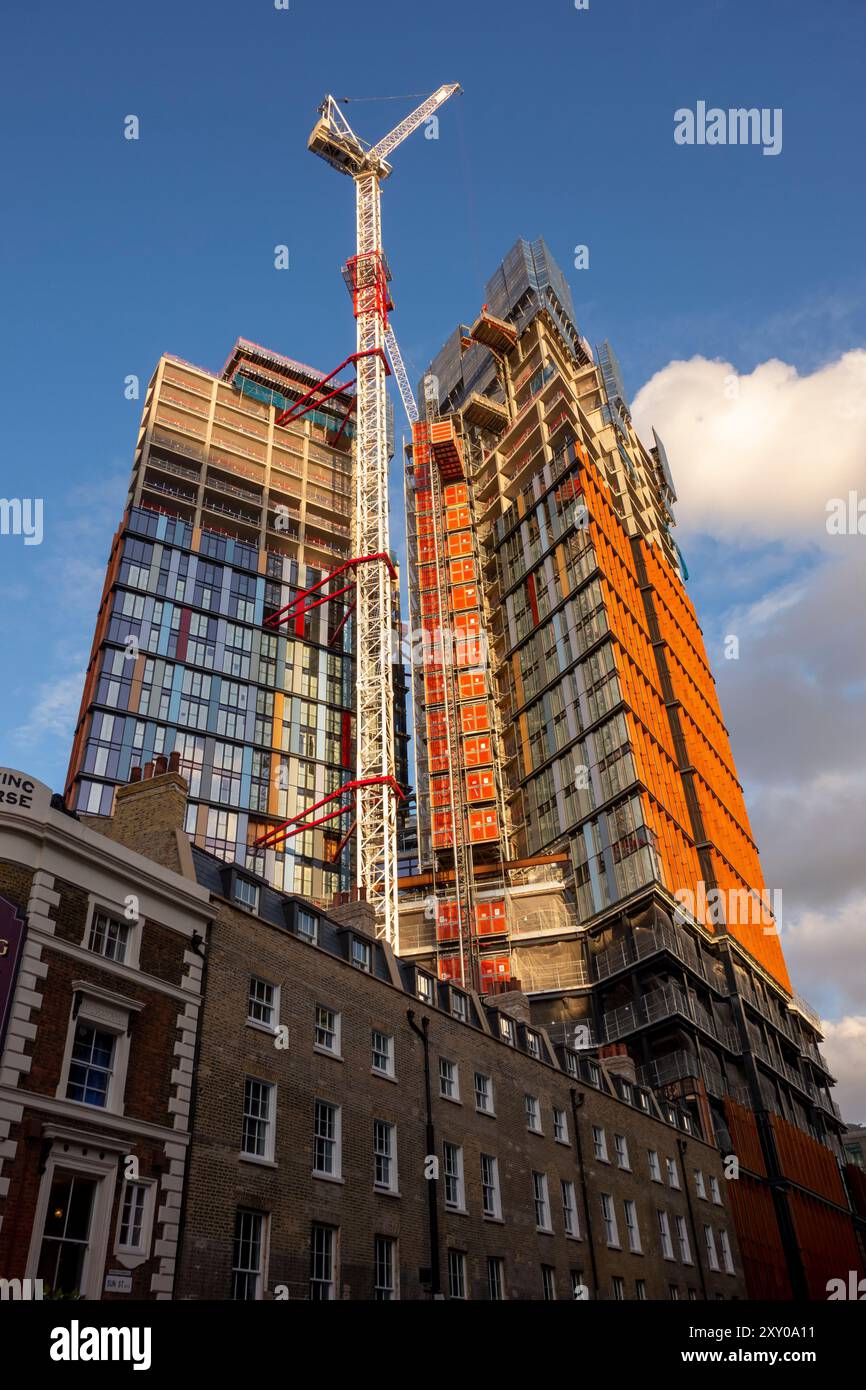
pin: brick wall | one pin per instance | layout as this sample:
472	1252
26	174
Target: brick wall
65	872
220	1180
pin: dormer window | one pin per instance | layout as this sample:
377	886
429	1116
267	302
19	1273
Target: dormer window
533	1044
362	954
246	893
506	1030
307	925
424	987
459	1005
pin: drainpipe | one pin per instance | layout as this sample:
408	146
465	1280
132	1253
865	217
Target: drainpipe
683	1146
577	1099
432	1196
200	948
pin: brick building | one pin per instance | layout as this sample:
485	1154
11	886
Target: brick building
98	1018
307	1175
558	1177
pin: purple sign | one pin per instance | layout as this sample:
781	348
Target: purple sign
12	932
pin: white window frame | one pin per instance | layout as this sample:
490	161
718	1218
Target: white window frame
673	1174
560	1125
270	1122
97	904
269	1028
617	1284
710	1243
548	1283
392	1185
487	1094
451	1079
311	937
238	901
331	1284
715	1191
108	1013
337	1140
262	1273
361	955
599	1144
388	1054
664	1225
655	1171
492	1187
541	1201
620	1145
532	1113
457	1267
130	1256
459	1004
533	1043
611	1225
386	1293
727	1252
457	1177
700	1187
683	1240
570	1219
336	1032
632	1226
495	1284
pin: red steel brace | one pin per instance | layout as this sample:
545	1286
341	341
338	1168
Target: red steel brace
278	834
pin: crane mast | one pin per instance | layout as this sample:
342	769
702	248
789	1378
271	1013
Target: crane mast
367	276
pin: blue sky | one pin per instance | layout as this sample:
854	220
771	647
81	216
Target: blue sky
115	251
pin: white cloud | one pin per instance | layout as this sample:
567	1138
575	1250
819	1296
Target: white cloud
845	1049
759	456
826	954
54	712
755	459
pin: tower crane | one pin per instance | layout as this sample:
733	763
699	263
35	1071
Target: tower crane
367	276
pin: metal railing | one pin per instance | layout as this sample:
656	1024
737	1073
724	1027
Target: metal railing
536	979
178	468
677	1066
800	1004
242	492
766	1011
649	942
542	922
181	446
235	515
660	1004
156	486
575	1033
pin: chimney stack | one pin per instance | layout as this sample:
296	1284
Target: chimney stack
150	813
618	1061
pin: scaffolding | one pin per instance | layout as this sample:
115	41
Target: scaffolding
452	685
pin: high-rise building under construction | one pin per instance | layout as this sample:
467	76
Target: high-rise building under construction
582	833
206	650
